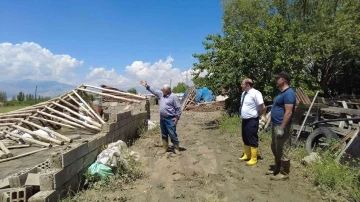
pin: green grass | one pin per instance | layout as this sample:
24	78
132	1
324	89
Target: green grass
8	109
336	178
230	125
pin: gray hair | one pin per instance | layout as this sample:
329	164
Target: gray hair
167	88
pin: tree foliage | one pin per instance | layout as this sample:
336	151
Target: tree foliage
317	42
180	88
132	90
3	97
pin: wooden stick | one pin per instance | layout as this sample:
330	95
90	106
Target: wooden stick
29	139
39	135
53	122
7	152
22	155
108	95
11	119
2	155
347	146
73	119
307	114
91	109
12	115
83	107
61	119
115	91
19	146
49	131
77	114
6	124
69	104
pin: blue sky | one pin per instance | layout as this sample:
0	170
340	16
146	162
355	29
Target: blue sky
106	34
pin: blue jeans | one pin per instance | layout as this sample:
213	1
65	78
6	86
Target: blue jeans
168	128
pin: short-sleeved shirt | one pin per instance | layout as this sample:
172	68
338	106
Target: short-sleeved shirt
288	96
250	107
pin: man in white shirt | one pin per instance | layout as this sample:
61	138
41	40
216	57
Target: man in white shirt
251	108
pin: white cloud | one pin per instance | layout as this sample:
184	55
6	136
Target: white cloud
100	75
29	60
156	75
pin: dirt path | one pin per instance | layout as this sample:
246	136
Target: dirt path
209	169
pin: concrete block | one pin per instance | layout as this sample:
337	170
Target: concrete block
112	127
47	180
19	179
5	197
90	158
44	165
45	196
55	160
97	142
113	104
74	154
20	194
4	183
33	179
67	173
105	128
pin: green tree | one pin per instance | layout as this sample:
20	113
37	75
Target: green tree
132	90
180	88
21	96
309	39
3	97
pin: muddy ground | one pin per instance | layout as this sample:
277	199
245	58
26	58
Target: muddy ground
208	170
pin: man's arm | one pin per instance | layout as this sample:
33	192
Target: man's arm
289	100
287	115
177	108
157	93
262	109
260	103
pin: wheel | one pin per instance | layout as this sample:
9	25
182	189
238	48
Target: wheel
320	139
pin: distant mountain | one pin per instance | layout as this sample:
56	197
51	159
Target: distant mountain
44	88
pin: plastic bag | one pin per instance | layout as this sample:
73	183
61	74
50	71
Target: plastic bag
100	169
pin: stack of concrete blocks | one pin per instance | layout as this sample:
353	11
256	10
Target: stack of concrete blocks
66	173
111	109
21	186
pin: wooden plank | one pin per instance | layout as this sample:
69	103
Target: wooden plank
337	110
347	146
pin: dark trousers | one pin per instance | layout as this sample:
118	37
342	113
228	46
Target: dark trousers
249	131
168	128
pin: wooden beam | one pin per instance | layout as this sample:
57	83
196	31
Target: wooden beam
49	131
22	155
77	114
62	119
118	92
53	122
5	150
73	119
108	95
45	137
90	109
28	139
83	107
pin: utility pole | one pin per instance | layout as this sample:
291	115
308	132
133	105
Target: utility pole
186	82
170	83
35	93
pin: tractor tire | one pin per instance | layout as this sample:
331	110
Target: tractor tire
323	134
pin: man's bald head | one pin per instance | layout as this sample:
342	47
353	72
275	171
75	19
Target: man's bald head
166	89
247	84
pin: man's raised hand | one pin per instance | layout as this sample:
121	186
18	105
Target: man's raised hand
143	83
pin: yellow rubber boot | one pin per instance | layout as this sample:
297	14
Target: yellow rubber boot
253	160
247	153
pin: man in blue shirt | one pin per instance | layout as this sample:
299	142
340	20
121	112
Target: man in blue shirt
170	111
281	117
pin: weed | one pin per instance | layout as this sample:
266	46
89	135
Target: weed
230	125
334	177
